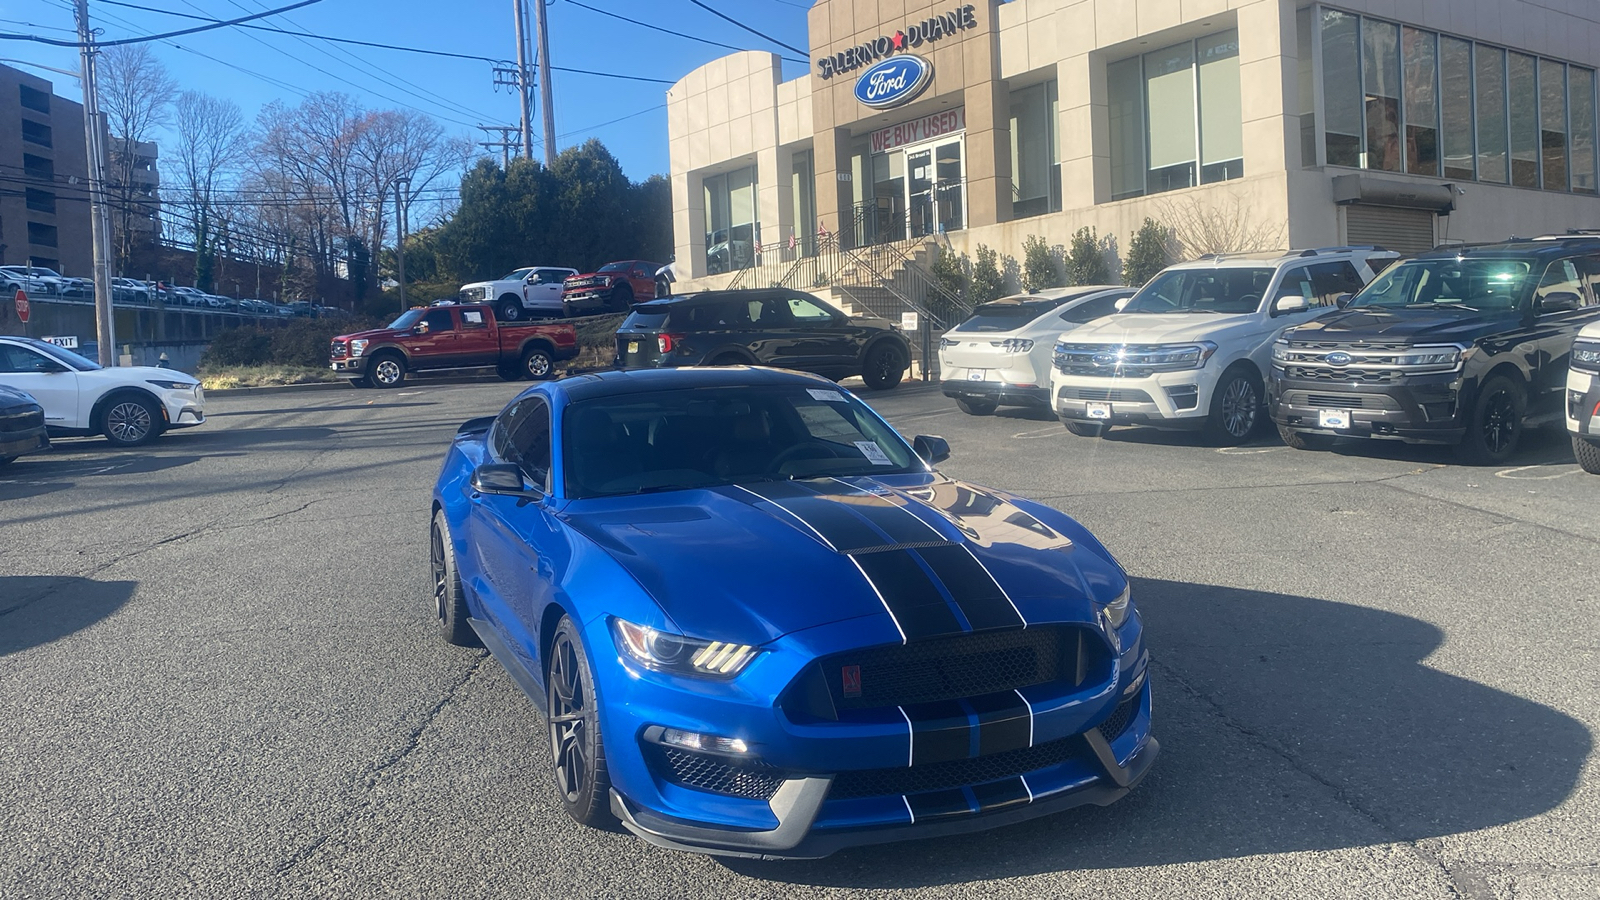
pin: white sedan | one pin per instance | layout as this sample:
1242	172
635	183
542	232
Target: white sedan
129	405
1001	355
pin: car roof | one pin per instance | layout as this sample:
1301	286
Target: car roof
662	303
1275	258
631	381
1540	247
1082	290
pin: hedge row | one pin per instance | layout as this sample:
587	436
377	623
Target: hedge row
300	342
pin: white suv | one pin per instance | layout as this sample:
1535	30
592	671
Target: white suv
129	404
1583	398
1000	356
1192	348
534	290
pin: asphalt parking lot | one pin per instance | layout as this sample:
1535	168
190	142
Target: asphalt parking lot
1375	672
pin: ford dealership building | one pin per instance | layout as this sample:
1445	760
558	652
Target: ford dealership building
1397	122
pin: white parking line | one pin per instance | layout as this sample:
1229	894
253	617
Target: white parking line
1247	451
1512	474
1053	431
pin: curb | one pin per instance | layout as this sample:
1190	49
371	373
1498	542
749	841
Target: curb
342	385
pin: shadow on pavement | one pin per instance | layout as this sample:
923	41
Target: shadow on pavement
37	609
1287	724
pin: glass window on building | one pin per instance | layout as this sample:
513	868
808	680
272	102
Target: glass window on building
730	204
803	186
1305	31
1489	86
1341	80
1175	117
1035	170
1455	106
1553	125
1522	92
1380	69
1419	51
1580	93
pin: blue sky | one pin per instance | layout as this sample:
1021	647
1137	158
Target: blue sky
460	93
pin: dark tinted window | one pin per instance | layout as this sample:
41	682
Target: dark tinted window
18	360
711	316
1561	277
1222	289
1329	280
438	320
1010	313
1097	308
645	319
768	313
522	436
614	267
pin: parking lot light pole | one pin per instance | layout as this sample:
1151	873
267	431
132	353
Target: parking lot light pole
401	188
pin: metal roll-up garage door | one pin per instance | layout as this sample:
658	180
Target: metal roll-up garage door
1390	227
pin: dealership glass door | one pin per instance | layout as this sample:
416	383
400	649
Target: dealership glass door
936	187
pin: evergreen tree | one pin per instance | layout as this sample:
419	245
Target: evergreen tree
987	282
1086	262
1147	254
1038	268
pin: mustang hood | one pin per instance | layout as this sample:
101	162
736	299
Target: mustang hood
753	563
1406	326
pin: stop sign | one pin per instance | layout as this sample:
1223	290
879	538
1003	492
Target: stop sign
22	306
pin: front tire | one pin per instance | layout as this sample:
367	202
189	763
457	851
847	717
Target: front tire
621	298
1305	440
362	382
537	364
883	368
449	598
1586	452
510	309
508	373
387	371
1235	408
1496	424
130	421
1084	429
577	751
975	407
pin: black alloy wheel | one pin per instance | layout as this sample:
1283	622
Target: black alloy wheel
1235	408
449	598
510	309
577	752
883	367
537	364
130	421
387	370
1496	425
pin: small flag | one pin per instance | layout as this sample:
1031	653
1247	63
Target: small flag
793	241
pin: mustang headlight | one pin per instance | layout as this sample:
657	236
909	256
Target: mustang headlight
174	385
358	347
1116	612
681	655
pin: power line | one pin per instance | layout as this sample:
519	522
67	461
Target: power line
765	37
612	121
680	34
156	37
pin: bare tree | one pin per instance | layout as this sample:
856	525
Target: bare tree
1219	221
136	94
211	145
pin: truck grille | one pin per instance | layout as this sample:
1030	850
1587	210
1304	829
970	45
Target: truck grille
1347	376
340	350
1339	401
1112	395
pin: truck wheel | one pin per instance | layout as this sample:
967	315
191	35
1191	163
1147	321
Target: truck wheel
388	371
362	382
1305	440
1496	423
536	364
621	298
1587	453
1235	407
510	309
976	407
883	367
1084	429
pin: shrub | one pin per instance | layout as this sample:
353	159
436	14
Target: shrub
1038	266
987	282
238	347
1086	261
1147	253
299	342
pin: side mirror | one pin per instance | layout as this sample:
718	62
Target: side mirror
501	478
1343	300
1560	301
1288	303
932	449
1122	304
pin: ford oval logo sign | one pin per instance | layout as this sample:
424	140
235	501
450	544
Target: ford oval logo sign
1105	359
896	80
1338	358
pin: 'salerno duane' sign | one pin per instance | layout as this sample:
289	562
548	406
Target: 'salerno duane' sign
914	35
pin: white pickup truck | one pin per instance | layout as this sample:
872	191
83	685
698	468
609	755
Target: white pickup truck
529	291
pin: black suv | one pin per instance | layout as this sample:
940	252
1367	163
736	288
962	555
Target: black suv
761	327
1462	345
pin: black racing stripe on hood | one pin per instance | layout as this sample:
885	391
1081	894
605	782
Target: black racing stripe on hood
981	599
910	595
888	514
836	523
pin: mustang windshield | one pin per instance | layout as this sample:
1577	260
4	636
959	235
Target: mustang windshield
1225	289
63	355
1481	284
674	440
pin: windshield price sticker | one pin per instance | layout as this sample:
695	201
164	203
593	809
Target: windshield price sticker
874	453
828	396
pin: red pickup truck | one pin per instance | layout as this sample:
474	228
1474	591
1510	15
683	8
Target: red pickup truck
451	337
615	286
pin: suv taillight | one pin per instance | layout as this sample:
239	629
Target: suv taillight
668	342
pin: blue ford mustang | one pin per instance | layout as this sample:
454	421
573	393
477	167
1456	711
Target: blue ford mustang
759	623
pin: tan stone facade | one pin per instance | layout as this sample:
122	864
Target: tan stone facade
736	115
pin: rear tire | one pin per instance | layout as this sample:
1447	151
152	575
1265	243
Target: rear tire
449	598
1495	428
387	370
507	373
1304	440
884	367
1587	454
1084	429
1235	407
537	364
976	407
130	421
510	309
577	750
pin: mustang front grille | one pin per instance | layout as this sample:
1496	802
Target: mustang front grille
752	780
947	668
1116	723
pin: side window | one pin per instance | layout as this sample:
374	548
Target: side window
551	276
1094	309
1329	280
768	313
1561	277
1589	273
1296	283
22	361
805	312
472	319
725	314
522	436
438	320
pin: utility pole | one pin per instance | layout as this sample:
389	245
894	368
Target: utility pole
546	89
401	188
504	145
522	78
99	216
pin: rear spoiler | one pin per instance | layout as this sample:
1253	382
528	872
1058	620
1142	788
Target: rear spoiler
477	426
